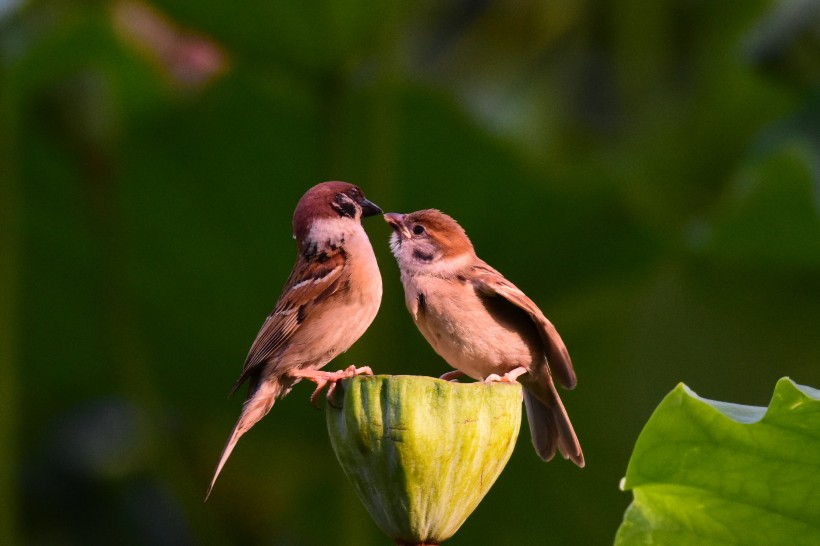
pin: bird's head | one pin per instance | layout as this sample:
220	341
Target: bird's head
331	200
429	241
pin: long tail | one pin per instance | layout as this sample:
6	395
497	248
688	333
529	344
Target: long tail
550	428
256	406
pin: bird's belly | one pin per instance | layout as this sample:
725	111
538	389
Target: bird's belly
333	332
474	343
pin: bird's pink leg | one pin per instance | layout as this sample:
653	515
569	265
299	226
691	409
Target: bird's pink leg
452	376
323	378
508	377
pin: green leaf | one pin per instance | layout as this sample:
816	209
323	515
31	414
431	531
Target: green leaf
706	472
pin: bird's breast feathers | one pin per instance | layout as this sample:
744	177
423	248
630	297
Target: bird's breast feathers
458	326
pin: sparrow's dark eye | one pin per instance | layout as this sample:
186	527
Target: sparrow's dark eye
418	229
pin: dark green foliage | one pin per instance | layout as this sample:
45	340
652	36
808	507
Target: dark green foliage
647	174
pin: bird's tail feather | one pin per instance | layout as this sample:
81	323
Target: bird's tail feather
256	406
550	427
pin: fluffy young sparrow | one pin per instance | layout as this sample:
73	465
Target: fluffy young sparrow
482	324
329	300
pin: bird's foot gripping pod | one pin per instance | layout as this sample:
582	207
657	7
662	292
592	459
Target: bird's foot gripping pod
422	452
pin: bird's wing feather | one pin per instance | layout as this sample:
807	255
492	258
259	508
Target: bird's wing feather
489	282
312	280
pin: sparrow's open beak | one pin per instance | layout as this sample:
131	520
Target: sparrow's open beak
369	208
396	221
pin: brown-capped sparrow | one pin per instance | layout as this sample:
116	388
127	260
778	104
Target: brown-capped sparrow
482	324
329	300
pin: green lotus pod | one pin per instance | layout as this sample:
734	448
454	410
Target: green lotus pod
422	452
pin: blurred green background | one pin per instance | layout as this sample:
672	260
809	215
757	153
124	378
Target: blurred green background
648	172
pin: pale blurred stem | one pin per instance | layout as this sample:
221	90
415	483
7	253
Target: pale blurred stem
331	90
384	112
333	94
10	260
125	343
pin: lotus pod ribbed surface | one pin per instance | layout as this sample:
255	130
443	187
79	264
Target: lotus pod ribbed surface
422	452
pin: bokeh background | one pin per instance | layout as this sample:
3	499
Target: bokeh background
648	172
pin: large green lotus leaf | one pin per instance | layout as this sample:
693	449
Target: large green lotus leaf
706	472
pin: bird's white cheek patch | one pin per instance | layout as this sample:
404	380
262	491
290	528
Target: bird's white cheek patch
332	230
448	267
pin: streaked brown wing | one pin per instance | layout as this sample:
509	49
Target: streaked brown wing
490	282
310	282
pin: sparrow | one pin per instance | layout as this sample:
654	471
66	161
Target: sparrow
329	300
482	324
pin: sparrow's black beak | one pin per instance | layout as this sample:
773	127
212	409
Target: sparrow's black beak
369	208
396	222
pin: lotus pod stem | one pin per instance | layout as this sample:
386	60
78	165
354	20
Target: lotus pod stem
422	452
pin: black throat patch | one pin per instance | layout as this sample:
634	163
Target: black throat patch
422	256
422	303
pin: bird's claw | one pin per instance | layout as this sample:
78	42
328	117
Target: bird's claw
330	379
509	377
320	384
451	376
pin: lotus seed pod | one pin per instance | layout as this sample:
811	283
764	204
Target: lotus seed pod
422	452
